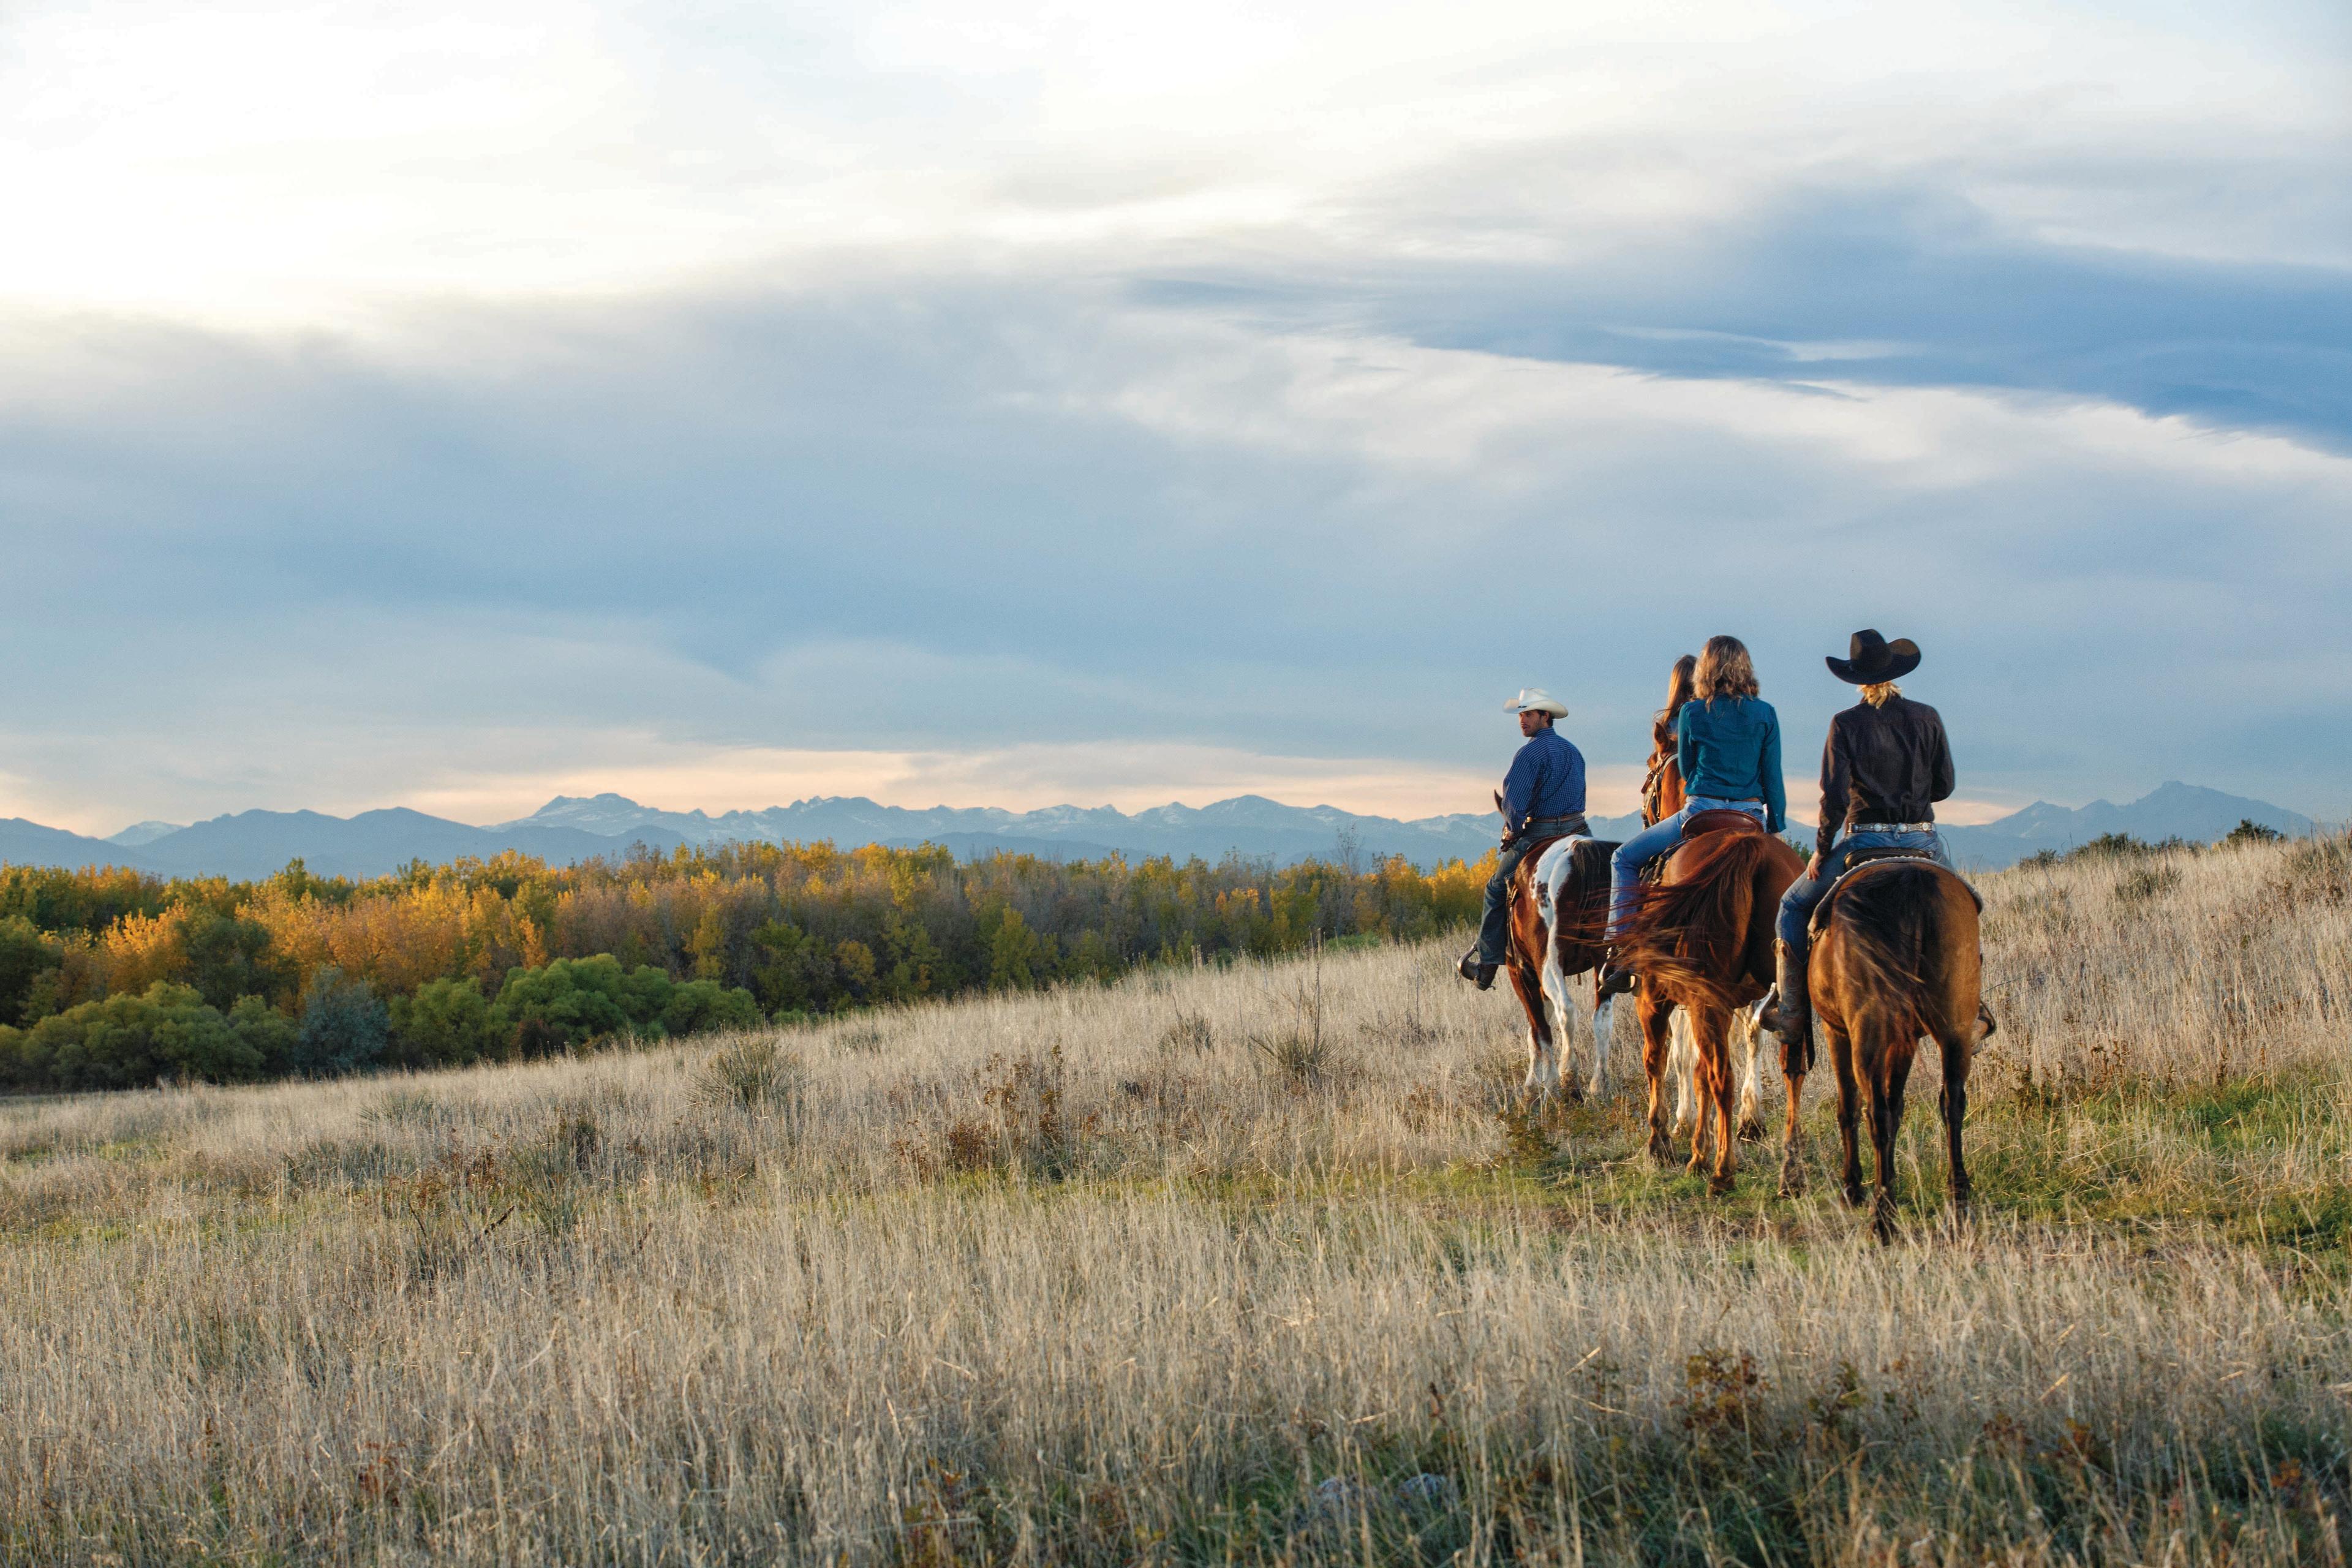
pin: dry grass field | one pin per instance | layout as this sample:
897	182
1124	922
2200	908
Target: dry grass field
1248	1264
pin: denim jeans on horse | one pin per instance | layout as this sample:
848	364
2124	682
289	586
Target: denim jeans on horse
1625	865
1796	905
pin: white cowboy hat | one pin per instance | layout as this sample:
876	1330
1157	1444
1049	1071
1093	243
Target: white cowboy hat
1537	699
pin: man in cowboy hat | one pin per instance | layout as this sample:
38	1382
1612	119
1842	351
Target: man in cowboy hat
1542	797
1885	765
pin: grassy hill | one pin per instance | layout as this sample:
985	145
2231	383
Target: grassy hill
1244	1263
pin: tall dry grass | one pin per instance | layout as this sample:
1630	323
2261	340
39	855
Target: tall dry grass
1215	1264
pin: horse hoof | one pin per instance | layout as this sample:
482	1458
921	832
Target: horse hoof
1792	1182
1662	1151
1751	1131
1719	1186
1852	1195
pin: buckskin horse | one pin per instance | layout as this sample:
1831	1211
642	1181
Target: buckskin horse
1701	941
1895	960
1559	902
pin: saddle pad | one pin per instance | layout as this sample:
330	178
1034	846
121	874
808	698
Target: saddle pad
1864	858
1531	862
1578	863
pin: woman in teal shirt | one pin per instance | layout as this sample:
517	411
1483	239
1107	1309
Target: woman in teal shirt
1728	745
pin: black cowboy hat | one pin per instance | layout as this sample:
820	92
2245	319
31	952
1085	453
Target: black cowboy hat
1871	658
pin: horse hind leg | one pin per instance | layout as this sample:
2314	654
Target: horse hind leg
1604	1032
1563	1023
1543	1063
1682	1062
1652	1013
1893	1068
1956	1050
1714	1145
1748	1038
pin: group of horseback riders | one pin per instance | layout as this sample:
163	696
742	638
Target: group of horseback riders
1716	749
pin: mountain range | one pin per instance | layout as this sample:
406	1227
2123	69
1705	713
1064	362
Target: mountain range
570	828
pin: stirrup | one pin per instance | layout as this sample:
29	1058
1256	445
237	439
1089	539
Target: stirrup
1615	980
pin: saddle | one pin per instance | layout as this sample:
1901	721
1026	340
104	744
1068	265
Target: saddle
1862	858
1723	819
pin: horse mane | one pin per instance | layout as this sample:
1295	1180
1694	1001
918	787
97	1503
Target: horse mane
1693	932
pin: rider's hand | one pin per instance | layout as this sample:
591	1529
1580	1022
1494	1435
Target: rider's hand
1814	868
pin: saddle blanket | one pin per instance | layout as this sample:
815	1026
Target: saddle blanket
1558	861
1863	863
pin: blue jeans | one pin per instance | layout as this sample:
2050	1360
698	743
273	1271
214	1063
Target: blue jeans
1625	865
1796	905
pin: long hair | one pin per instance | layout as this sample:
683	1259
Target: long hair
1878	694
1678	691
1723	670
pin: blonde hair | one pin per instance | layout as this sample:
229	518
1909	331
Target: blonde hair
1880	693
1723	670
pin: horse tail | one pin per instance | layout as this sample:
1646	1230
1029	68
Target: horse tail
1693	932
1887	925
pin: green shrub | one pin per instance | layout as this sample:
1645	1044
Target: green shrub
27	952
572	1001
131	1041
701	1007
344	1027
446	1023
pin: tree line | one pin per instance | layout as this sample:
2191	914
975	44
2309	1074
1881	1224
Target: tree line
112	977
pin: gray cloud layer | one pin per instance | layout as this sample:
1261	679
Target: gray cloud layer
1255	498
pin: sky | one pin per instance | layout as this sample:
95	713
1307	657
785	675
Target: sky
452	406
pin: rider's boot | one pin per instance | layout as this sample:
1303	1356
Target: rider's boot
1615	980
1478	974
1789	1014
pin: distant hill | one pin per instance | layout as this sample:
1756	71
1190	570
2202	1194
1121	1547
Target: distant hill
1254	825
2171	810
570	828
24	843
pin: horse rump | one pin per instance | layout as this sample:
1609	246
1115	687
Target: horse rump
1691	933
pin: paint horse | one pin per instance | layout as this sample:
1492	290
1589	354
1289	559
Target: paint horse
1895	960
1701	941
1559	909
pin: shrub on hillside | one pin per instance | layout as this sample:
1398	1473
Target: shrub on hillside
704	1007
166	1033
447	1023
27	952
346	1026
575	1001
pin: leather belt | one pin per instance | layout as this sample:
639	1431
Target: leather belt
1854	828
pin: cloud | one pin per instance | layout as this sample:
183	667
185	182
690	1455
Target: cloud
415	406
965	521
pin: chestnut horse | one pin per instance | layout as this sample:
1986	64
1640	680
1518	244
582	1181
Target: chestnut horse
1560	903
1701	940
1896	960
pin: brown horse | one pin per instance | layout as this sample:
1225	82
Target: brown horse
1701	940
1559	902
1896	960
